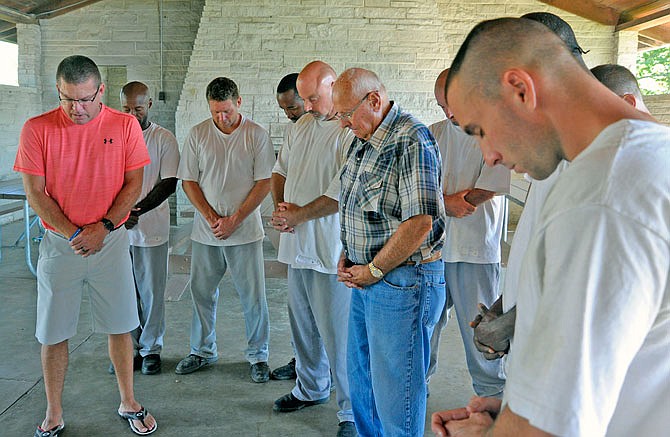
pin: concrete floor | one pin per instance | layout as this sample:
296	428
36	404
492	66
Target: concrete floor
220	400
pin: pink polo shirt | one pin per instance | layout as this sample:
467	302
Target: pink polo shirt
83	165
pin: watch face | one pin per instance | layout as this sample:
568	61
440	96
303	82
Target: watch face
375	271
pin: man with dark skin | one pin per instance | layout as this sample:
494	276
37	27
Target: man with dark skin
149	227
494	326
293	106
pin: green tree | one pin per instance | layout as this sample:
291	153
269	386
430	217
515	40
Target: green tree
653	71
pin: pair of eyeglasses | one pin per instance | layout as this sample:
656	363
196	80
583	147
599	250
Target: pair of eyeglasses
346	116
82	102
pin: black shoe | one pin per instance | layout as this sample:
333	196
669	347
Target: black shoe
288	403
284	373
137	364
347	429
260	372
151	364
190	364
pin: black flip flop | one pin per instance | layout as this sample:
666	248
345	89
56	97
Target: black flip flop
53	432
139	415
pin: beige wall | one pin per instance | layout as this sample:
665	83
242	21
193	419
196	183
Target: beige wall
117	34
659	106
256	42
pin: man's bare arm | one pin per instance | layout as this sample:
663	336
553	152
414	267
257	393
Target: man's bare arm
293	215
403	243
45	206
197	199
277	183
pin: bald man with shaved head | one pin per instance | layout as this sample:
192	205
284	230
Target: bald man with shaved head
149	228
305	186
593	311
471	253
393	223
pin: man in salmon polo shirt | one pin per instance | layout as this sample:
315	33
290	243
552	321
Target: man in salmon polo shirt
82	166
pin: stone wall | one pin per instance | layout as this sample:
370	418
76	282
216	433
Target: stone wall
407	43
123	38
18	104
659	106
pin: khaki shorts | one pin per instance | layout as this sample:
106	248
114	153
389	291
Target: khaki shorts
63	276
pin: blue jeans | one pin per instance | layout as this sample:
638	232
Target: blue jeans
390	326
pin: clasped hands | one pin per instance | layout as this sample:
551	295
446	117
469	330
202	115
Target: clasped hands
223	227
472	420
493	330
90	240
286	217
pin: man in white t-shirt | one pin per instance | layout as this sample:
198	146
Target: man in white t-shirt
149	228
471	251
593	310
306	189
225	170
293	106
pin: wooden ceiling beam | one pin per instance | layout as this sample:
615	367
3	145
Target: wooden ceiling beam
645	22
590	10
62	7
15	16
658	33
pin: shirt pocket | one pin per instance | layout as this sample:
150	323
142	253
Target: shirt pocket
369	192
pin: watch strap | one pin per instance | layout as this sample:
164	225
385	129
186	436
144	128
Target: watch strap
108	224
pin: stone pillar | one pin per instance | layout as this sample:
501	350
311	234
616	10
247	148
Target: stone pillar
30	54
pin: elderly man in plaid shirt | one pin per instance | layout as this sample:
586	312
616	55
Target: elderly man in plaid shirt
392	227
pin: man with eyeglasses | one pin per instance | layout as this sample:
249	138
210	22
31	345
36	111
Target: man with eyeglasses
471	251
392	230
306	188
82	166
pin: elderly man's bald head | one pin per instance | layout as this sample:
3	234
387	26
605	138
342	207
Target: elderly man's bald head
315	87
360	100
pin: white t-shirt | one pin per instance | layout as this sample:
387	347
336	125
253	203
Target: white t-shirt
592	339
226	166
539	190
310	159
153	227
475	238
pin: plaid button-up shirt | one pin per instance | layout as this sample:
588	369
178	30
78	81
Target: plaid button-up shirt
392	177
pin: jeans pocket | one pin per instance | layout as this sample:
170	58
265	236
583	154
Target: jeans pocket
402	279
435	301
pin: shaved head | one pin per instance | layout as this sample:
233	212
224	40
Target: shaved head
496	45
441	94
315	87
562	29
622	82
135	100
134	89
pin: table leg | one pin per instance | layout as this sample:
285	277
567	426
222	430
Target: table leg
28	242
